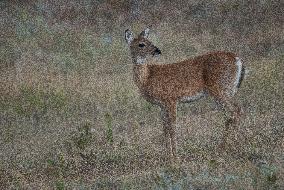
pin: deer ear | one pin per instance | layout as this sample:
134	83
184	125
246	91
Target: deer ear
128	36
145	33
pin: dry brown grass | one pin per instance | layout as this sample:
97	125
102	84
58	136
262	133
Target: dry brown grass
72	118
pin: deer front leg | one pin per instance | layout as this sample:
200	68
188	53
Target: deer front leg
166	127
169	127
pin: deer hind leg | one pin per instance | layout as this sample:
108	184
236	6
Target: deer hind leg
169	127
233	113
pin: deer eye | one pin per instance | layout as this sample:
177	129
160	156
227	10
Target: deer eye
141	45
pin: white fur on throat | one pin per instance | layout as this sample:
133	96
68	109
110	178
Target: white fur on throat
140	60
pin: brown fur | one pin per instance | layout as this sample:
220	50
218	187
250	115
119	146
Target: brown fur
211	73
214	74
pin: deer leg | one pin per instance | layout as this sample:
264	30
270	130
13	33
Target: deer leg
173	114
232	112
165	122
170	128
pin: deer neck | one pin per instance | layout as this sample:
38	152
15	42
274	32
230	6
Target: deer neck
141	72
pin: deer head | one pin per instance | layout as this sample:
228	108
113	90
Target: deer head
141	48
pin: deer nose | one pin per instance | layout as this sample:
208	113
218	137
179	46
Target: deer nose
158	51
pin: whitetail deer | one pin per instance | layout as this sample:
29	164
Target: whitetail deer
217	74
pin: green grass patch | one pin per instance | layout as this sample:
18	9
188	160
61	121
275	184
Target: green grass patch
60	185
38	101
109	128
83	137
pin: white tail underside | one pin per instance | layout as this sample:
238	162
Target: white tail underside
238	74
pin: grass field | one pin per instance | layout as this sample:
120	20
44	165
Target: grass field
71	116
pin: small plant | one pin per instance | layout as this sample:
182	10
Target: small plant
212	164
58	165
172	180
105	183
109	132
113	158
84	136
148	106
50	162
60	185
270	174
